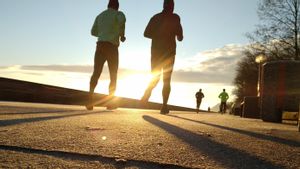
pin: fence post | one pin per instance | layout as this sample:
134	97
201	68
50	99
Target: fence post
299	118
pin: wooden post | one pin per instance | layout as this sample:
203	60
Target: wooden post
299	118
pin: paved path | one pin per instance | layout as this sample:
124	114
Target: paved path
55	136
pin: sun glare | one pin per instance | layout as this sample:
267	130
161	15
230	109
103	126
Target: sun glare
133	86
129	86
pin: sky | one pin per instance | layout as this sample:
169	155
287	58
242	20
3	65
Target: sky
50	42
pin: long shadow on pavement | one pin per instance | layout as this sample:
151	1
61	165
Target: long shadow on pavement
11	122
224	155
249	133
39	112
90	157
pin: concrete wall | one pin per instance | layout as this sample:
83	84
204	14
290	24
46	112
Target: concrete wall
280	89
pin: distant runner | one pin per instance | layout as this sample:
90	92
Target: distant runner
199	95
224	97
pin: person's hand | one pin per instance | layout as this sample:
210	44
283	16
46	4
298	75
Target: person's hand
123	38
179	38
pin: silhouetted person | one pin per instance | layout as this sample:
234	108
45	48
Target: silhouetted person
199	95
224	97
109	27
163	29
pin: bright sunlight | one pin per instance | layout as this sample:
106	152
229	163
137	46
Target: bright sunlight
133	86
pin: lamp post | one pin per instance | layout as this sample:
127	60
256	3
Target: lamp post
259	59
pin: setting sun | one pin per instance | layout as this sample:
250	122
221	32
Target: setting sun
133	85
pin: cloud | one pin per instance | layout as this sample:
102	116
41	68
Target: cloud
43	70
70	68
211	66
219	59
62	68
202	77
3	67
10	68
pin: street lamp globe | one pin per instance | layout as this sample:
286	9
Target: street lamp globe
260	58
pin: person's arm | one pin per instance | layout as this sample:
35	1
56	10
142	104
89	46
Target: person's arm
95	28
220	95
122	21
179	32
149	29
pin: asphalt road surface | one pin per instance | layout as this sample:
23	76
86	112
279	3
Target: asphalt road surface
59	136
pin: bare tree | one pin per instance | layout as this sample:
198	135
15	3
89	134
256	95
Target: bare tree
277	37
278	33
246	78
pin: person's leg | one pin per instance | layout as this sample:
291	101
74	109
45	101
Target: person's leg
200	101
167	74
221	107
156	67
198	105
153	83
99	61
225	107
113	65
